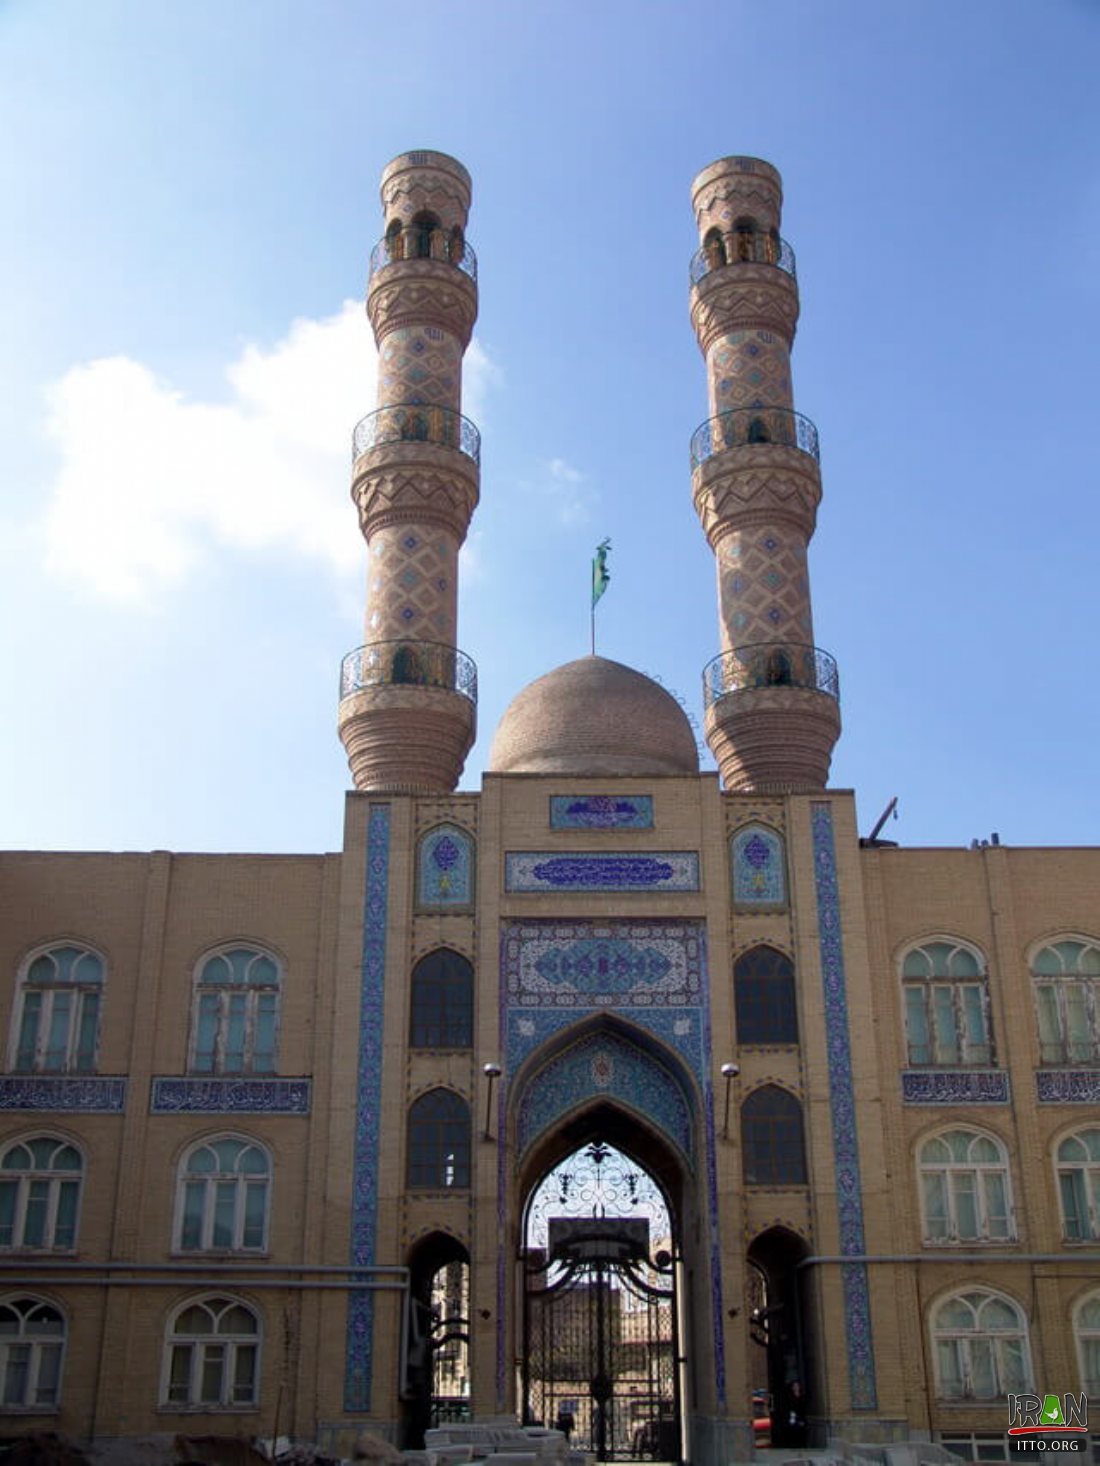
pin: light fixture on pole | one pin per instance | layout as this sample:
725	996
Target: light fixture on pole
729	1074
492	1073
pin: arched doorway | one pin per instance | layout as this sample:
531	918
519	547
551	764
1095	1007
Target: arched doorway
436	1386
781	1371
600	1263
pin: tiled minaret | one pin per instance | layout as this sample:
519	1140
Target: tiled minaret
772	715
408	695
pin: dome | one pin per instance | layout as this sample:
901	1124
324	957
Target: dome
593	716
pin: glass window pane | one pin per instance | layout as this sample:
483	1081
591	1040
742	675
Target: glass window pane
255	1205
935	1205
950	1365
179	1375
57	1044
263	1045
1013	1367
916	1026
49	1374
244	1375
1050	1027
16	1372
943	1020
35	1216
28	1031
207	1033
966	1208
225	1202
996	1203
64	1234
8	1192
212	1371
194	1195
982	1381
977	1046
233	1059
89	1022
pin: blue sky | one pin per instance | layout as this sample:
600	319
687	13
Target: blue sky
192	193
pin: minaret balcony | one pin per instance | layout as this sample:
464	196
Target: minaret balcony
770	664
423	242
746	249
416	422
741	427
407	663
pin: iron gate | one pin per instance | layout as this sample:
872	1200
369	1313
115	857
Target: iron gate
600	1347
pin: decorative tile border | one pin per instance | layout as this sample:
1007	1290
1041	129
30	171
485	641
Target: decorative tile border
954	1087
590	870
601	811
364	1199
1068	1086
195	1096
857	1302
86	1094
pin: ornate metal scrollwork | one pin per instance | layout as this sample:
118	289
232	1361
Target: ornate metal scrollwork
415	242
741	427
770	664
405	662
416	422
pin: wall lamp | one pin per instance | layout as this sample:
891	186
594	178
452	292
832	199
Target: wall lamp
729	1074
492	1073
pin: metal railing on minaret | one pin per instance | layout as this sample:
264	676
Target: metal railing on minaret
408	696
771	696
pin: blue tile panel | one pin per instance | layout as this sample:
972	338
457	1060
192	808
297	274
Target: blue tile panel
759	868
601	811
445	868
1068	1086
651	973
68	1093
954	1087
238	1096
587	870
857	1302
364	1196
608	1065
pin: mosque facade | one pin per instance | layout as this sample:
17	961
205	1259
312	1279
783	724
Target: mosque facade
647	1102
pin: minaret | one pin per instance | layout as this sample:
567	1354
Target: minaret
408	696
772	715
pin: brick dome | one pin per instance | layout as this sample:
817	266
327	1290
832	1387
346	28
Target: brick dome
593	716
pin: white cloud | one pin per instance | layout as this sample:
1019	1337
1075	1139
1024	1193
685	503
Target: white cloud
151	483
562	486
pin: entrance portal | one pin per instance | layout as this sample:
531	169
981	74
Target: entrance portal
600	1355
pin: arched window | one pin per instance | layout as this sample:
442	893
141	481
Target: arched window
1067	993
439	1140
212	1355
40	1194
1086	1330
395	240
56	1024
714	248
441	1010
744	236
759	870
32	1347
1078	1167
445	867
763	989
980	1344
236	1013
946	1005
965	1194
771	1138
425	230
224	1187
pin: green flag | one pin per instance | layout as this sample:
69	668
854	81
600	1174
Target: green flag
601	576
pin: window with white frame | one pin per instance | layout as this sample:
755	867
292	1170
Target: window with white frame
56	1026
32	1348
212	1355
965	1195
1078	1166
1086	1329
224	1192
40	1194
980	1346
236	1013
1067	995
946	1005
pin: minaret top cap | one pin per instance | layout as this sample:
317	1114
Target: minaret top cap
426	158
729	177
